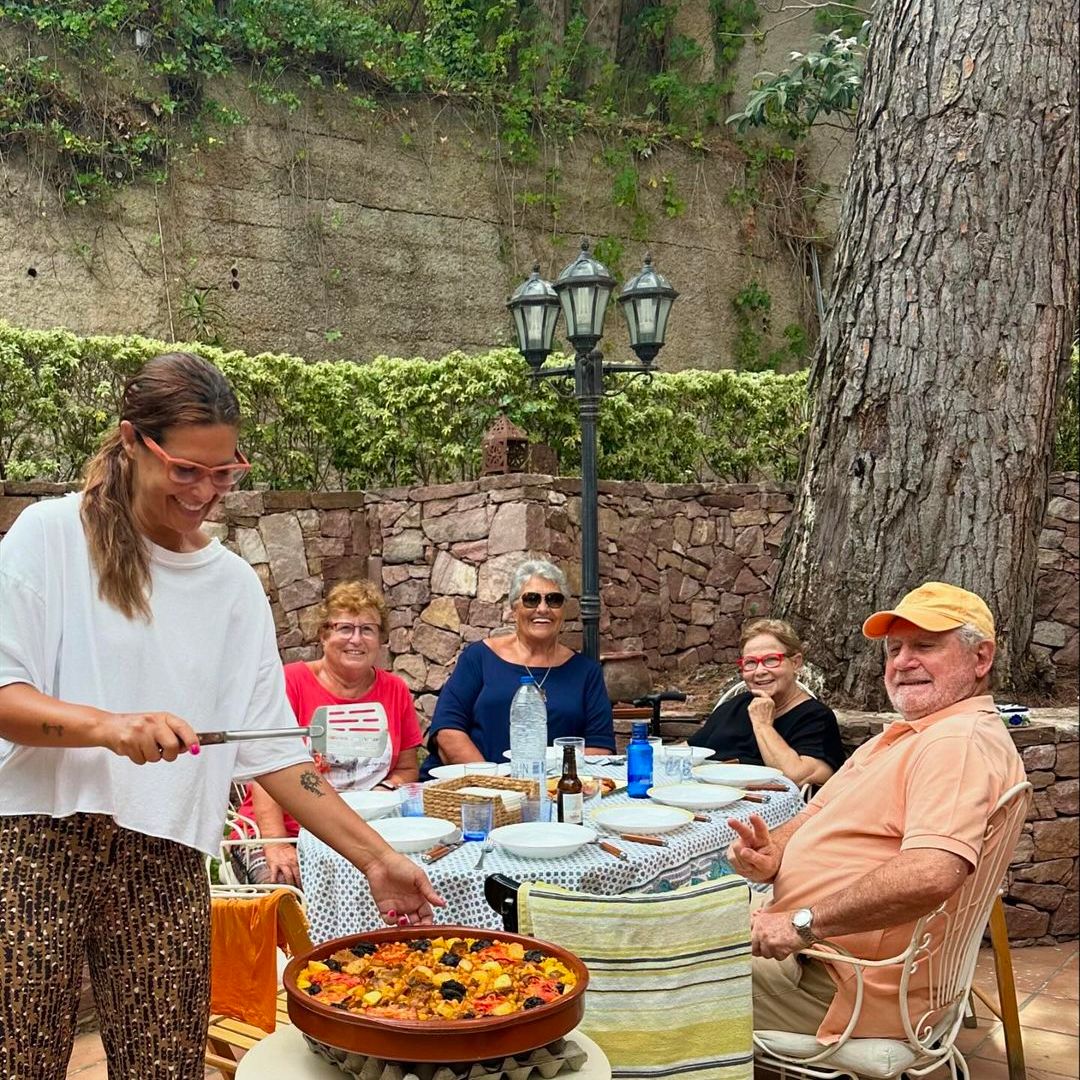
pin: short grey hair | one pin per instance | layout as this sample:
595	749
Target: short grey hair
971	635
531	568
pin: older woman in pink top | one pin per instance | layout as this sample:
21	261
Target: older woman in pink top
355	625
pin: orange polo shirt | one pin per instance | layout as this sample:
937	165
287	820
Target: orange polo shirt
930	783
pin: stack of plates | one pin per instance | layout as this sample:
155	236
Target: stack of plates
737	775
644	818
695	796
411	834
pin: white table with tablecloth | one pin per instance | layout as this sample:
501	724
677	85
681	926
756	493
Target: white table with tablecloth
339	903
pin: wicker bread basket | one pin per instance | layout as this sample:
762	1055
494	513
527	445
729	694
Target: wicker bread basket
443	800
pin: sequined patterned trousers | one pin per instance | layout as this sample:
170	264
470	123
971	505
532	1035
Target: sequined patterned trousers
137	907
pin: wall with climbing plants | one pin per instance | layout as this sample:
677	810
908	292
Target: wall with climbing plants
331	178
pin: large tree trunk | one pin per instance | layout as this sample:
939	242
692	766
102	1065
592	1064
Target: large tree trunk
947	341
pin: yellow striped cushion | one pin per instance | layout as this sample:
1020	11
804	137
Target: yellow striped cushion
669	975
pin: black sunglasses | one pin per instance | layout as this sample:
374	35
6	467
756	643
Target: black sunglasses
554	600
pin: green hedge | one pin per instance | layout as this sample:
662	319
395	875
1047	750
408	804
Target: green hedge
342	425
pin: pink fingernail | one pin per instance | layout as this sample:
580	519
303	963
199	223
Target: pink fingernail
195	749
403	921
391	914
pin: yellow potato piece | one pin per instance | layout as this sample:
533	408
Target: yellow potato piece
503	982
317	965
503	1009
372	997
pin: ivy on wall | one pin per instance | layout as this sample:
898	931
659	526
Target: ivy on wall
541	78
337	425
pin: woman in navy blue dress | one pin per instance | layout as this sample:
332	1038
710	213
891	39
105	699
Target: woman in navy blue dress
472	716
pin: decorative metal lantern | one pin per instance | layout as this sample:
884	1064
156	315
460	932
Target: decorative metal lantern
506	448
535	308
583	289
646	303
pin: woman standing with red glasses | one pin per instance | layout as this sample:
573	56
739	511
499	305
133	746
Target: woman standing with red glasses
775	721
124	630
472	715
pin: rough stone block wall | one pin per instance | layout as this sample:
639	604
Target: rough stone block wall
1057	597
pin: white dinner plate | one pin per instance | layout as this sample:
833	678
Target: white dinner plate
737	775
542	839
452	772
372	804
642	817
695	796
411	834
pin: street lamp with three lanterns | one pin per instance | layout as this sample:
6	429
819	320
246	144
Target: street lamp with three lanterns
582	291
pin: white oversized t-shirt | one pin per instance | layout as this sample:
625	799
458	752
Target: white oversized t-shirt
209	655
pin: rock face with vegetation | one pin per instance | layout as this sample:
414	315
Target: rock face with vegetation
335	181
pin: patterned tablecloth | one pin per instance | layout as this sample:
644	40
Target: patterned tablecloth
339	903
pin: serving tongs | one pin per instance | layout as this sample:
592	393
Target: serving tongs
216	738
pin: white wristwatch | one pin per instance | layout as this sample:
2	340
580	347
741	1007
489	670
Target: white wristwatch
803	921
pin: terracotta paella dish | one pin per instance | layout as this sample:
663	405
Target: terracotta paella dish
436	993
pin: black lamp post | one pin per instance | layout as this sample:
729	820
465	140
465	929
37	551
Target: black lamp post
583	290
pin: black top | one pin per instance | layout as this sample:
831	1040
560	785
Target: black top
809	729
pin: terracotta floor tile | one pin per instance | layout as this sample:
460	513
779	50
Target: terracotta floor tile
1051	1013
86	1053
982	1069
1050	1051
1064	985
968	1040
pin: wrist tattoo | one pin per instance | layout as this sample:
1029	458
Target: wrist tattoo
311	781
52	729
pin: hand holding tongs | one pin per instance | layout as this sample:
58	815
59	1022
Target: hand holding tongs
215	738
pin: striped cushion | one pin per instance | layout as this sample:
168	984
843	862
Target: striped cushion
669	975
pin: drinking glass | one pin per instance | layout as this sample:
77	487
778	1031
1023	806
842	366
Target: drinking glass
531	809
412	800
476	819
579	751
676	764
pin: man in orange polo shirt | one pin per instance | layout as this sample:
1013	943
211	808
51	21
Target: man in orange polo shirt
893	834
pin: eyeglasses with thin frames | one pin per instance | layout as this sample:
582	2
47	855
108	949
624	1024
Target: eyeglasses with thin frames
554	600
182	471
766	660
345	630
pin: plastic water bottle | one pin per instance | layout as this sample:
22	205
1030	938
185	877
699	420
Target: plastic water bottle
639	762
528	735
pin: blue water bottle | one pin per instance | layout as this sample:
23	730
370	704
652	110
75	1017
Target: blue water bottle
639	762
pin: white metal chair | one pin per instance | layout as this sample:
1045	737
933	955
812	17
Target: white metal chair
239	832
945	946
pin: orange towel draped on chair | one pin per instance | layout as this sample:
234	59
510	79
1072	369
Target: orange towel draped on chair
244	936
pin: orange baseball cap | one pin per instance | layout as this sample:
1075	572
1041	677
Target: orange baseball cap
935	606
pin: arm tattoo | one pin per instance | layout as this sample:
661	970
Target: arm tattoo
53	729
311	781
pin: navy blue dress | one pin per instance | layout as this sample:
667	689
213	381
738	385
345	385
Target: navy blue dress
476	700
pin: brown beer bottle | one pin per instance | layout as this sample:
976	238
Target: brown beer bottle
571	800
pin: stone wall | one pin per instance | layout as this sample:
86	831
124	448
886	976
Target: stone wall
681	565
1043	880
1057	626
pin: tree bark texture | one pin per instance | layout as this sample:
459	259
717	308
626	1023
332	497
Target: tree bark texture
946	343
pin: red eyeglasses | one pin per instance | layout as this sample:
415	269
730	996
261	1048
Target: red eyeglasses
768	660
181	471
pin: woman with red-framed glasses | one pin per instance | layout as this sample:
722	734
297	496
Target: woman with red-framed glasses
774	721
125	629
